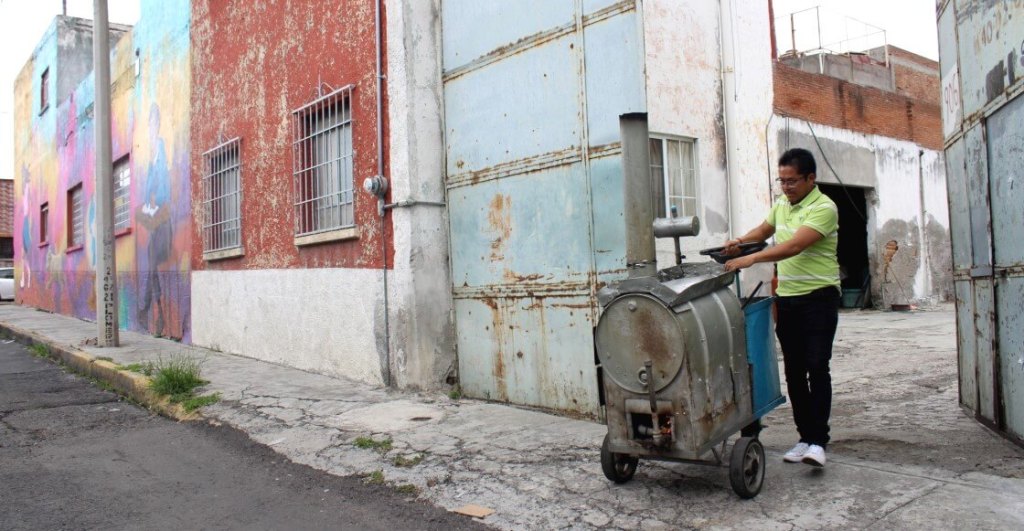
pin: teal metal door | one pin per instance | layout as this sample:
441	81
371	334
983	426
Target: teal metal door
533	90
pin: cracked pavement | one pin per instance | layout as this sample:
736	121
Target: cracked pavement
903	453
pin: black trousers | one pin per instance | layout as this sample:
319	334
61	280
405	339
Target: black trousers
806	328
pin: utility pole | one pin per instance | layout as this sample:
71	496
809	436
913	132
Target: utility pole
106	265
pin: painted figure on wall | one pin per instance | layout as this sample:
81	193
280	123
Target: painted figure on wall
154	216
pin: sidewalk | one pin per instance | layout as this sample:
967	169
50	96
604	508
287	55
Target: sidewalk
903	454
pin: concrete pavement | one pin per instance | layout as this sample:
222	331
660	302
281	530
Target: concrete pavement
903	454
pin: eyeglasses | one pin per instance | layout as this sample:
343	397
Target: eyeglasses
789	182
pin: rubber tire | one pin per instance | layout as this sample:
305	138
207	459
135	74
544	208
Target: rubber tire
617	467
746	467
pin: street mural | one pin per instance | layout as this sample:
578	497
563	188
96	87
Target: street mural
55	152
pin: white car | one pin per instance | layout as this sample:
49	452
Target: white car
6	283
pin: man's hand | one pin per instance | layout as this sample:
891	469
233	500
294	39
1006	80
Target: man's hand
731	247
742	262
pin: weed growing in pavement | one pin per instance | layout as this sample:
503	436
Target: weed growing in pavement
176	377
407	489
376	477
40	350
368	443
146	368
196	402
455	393
406	462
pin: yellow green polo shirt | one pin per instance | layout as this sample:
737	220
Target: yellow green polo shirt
816	267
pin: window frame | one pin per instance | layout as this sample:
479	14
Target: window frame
44	224
221	165
663	187
122	192
323	156
44	90
73	222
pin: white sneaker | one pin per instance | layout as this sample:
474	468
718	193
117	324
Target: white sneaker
796	454
815	456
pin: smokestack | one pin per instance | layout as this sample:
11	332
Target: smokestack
638	196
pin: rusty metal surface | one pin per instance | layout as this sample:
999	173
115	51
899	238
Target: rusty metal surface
534	181
981	44
990	53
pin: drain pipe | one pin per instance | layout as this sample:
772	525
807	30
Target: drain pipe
727	63
378	186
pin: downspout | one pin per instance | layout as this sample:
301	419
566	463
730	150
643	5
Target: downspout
386	373
726	58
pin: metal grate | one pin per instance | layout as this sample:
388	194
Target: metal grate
122	176
322	163
76	230
222	192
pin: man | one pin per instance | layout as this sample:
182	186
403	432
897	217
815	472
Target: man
805	224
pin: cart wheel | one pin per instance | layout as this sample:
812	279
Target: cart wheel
746	467
617	467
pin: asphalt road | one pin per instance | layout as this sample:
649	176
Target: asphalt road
73	456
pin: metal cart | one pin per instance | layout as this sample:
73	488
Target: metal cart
683	365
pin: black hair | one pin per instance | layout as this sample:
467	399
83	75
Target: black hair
800	160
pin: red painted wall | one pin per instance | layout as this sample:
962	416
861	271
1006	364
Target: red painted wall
252	64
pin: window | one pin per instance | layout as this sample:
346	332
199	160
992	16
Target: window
322	162
122	175
44	91
6	248
44	219
222	218
674	176
76	219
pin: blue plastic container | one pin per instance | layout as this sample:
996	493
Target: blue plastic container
764	365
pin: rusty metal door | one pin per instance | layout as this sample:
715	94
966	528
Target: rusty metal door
532	91
983	113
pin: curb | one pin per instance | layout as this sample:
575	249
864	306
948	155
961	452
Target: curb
125	383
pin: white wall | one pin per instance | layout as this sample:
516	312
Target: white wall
320	320
683	42
906	195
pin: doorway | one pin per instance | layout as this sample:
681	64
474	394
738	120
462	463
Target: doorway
853	240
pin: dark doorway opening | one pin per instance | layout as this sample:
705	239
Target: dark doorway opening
853	235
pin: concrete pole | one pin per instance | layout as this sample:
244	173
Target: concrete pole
106	274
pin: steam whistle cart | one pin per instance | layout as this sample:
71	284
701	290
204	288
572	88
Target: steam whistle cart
683	365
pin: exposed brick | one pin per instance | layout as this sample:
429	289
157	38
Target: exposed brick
822	99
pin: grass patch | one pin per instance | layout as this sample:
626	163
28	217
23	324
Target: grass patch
455	393
193	403
105	358
40	350
147	368
376	477
407	489
177	377
406	462
368	443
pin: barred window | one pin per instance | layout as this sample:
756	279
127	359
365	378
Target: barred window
674	176
76	218
122	176
222	212
322	164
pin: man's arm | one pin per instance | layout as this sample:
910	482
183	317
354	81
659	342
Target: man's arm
804	238
758	234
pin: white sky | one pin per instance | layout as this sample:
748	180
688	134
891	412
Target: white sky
22	24
909	24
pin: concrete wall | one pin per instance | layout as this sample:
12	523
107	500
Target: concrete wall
254	64
857	69
906	202
55	152
685	97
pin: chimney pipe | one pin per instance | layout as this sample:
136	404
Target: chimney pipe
638	196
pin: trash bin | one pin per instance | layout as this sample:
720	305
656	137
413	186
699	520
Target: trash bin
850	297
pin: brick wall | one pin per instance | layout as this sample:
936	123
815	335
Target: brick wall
828	101
6	207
